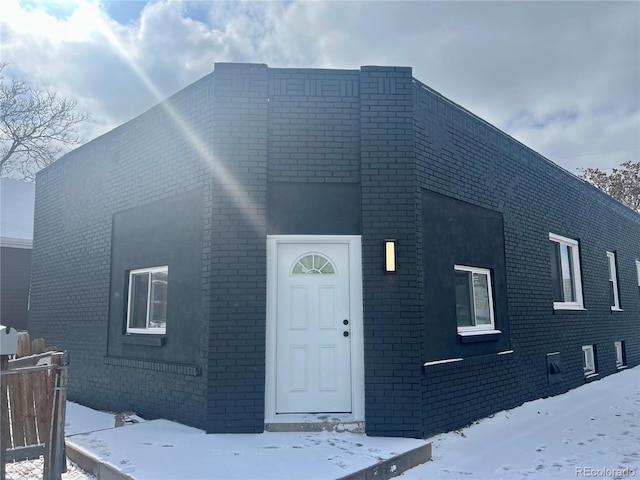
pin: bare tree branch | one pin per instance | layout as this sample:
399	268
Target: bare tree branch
622	184
35	127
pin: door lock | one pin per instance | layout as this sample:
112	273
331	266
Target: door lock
345	321
346	334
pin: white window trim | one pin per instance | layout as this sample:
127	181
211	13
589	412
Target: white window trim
619	354
638	272
577	277
613	278
590	367
148	330
479	329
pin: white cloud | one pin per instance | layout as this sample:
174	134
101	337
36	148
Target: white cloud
560	76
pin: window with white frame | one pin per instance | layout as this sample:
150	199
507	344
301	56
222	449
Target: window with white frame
620	361
638	272
589	360
474	299
565	273
613	282
147	302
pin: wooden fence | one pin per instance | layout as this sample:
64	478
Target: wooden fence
32	406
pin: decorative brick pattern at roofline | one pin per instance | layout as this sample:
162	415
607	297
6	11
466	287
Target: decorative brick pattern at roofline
314	138
313	87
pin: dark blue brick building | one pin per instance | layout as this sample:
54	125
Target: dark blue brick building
221	260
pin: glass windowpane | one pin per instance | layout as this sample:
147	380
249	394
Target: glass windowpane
315	264
481	299
307	262
556	268
463	299
619	358
139	297
158	317
613	281
327	268
588	360
566	259
612	266
612	295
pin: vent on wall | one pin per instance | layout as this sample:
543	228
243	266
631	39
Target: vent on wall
554	368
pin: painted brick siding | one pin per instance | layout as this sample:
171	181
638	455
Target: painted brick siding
381	141
392	307
149	158
314	121
461	156
236	378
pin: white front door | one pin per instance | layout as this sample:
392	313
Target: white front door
313	329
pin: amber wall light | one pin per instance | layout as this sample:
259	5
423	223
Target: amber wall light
390	256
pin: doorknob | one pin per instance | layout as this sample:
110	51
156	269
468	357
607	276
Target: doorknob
346	334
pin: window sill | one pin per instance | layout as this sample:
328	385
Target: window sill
616	309
591	375
479	336
149	340
163	367
559	307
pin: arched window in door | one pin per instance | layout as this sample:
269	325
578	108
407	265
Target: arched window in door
313	263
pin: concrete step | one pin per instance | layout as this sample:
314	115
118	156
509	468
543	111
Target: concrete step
179	452
383	470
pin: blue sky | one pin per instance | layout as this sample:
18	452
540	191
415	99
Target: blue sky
125	12
129	11
561	77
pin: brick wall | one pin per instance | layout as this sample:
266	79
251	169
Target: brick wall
152	157
235	401
314	151
392	304
459	155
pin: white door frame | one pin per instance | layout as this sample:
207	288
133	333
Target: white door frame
356	321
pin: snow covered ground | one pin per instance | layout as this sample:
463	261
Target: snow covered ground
589	432
32	470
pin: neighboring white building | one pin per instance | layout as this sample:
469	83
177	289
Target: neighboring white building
16	238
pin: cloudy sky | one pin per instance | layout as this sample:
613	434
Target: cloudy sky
561	77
